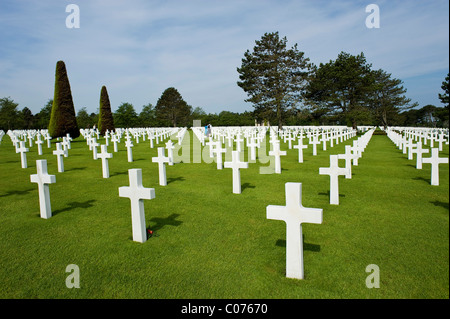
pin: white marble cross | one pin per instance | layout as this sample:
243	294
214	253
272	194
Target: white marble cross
440	140
137	193
277	153
170	147
60	152
115	140
104	155
419	151
347	156
238	141
218	149
94	146
129	145
39	143
23	154
294	214
252	144
236	165
435	160
43	179
300	148
290	138
48	138
314	142
161	160
334	171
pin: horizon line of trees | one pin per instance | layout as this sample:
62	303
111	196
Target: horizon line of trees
127	116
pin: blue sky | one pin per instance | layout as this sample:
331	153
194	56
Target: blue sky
139	48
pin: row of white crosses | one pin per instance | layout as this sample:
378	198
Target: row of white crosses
410	141
43	179
294	214
350	156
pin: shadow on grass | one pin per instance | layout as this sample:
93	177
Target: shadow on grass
118	173
175	179
76	169
246	185
10	193
306	246
427	180
328	194
168	221
439	203
74	205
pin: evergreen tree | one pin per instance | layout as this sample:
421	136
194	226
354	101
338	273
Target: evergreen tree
43	117
342	88
105	117
171	109
274	77
9	115
126	116
446	88
63	119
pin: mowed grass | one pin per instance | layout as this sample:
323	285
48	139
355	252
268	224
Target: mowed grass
211	243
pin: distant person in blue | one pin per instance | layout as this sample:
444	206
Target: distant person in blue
208	130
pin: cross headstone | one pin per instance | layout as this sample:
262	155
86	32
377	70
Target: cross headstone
334	171
170	147
419	151
60	152
43	179
236	165
252	144
48	138
39	143
294	214
314	142
238	141
115	140
94	145
23	154
348	157
218	149
129	145
277	153
161	160
300	148
435	160
136	192
104	155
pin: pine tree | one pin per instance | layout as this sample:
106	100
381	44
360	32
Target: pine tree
63	119
105	117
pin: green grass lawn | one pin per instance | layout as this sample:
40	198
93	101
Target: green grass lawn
211	243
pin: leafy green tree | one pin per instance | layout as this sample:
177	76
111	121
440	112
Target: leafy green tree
63	119
27	119
125	116
83	119
171	109
387	98
445	96
105	117
343	86
9	115
147	117
274	77
43	117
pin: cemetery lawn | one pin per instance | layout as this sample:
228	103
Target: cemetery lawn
211	243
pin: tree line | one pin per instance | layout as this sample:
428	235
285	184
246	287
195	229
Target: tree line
282	85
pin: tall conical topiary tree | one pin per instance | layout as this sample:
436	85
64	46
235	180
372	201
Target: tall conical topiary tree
63	119
105	117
